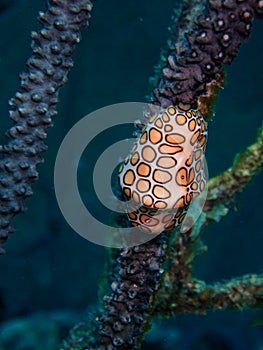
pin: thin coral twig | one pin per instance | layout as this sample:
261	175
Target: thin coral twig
198	297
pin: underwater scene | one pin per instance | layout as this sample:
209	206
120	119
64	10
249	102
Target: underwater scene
193	282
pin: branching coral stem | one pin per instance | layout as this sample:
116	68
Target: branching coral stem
34	105
198	297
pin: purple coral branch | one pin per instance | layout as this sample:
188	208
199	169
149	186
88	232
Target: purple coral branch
34	106
208	37
128	307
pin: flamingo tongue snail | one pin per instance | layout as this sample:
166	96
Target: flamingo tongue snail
165	169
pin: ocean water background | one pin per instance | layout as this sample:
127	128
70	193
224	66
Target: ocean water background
50	276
